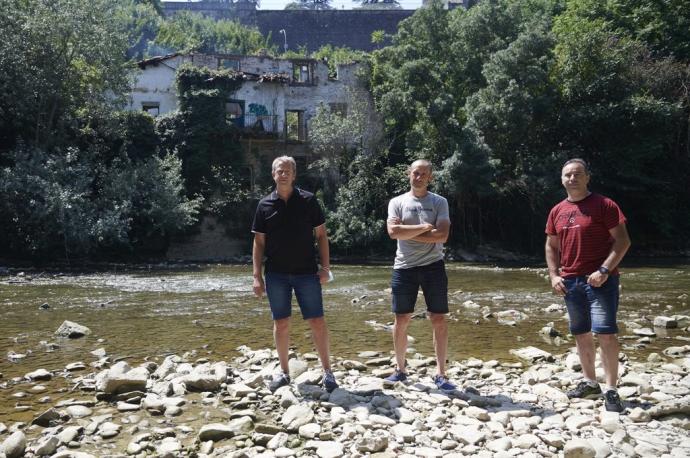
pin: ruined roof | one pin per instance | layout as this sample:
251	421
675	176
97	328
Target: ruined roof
156	60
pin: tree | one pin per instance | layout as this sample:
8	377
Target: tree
187	32
57	59
378	4
309	5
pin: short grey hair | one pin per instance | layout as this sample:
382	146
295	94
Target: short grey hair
423	163
281	159
577	160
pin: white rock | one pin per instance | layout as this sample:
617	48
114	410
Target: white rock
39	374
14	445
548	392
639	415
478	413
296	416
468	435
601	448
78	411
277	441
500	445
297	367
527	441
576	422
579	448
554	440
310	430
372	443
329	449
215	432
381	420
404	431
72	330
610	421
665	322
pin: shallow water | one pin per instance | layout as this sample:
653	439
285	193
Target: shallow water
145	314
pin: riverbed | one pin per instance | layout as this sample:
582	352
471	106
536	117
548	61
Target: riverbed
140	314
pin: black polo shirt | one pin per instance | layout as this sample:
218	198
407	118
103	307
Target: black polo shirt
289	228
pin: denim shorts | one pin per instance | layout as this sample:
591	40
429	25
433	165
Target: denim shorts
431	278
592	309
307	288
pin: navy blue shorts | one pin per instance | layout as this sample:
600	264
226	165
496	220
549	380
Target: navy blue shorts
307	288
592	309
431	278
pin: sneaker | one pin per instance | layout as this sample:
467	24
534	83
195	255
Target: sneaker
328	381
397	376
613	402
585	391
279	380
442	383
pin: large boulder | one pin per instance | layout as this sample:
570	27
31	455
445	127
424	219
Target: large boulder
122	379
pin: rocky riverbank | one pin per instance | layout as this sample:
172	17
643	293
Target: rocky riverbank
191	406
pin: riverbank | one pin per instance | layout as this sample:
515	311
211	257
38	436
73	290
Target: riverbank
191	405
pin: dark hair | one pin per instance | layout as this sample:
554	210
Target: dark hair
577	160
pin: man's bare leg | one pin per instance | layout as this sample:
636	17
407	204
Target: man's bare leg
609	347
402	320
319	333
281	335
585	349
440	331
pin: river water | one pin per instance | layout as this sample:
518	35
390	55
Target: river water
143	314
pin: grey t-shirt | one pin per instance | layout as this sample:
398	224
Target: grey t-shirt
412	210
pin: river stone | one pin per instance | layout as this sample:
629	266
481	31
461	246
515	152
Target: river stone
478	413
169	448
310	430
72	330
500	445
644	332
14	445
78	411
329	449
671	407
665	322
467	434
610	421
351	364
576	422
342	398
548	392
69	434
579	448
39	374
297	367
404	431
109	429
50	416
112	382
48	446
532	354
639	415
296	416
215	432
371	443
553	440
277	441
78	366
241	425
527	441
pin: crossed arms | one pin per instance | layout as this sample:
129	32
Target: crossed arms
425	233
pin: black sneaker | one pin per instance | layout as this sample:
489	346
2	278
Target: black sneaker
328	381
279	380
585	391
613	402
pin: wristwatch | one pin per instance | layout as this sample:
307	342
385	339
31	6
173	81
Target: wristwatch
603	270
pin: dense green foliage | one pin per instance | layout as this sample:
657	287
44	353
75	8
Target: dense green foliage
185	32
78	177
498	96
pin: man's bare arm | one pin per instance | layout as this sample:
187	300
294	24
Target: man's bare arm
553	261
399	231
257	261
437	235
324	252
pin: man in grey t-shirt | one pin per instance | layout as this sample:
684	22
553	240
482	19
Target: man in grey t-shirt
419	221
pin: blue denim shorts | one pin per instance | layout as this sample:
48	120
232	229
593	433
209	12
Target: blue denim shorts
431	278
592	309
307	288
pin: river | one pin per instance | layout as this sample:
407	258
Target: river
146	313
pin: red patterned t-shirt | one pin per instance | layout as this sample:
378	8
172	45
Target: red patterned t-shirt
583	233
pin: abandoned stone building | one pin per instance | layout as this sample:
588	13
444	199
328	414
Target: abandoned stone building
272	108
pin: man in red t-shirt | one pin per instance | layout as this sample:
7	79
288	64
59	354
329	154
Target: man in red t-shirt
586	239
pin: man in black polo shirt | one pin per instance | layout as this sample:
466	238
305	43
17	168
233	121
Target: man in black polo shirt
285	226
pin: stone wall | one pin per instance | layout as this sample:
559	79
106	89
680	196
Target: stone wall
308	29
